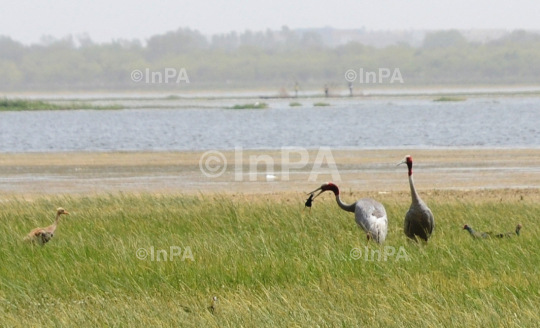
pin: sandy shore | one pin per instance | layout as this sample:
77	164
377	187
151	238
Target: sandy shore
48	174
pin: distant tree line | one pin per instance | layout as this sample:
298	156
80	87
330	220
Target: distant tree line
277	59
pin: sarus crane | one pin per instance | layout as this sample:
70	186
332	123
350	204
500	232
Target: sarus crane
43	235
369	214
419	221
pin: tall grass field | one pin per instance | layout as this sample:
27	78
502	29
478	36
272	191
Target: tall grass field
269	262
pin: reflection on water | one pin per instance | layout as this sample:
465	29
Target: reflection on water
502	122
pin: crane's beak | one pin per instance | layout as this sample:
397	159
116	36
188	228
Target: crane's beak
321	191
403	161
66	213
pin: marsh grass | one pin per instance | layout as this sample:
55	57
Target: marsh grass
270	263
449	98
28	104
295	104
257	105
321	104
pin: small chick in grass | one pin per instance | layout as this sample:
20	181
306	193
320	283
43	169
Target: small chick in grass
213	307
510	234
476	234
483	235
41	236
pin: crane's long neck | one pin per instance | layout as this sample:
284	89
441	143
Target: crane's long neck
414	194
55	224
346	207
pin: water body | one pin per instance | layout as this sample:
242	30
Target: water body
357	124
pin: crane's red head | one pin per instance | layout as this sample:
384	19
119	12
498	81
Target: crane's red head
326	187
407	160
465	226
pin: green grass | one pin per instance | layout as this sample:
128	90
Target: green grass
321	104
270	263
450	98
27	104
257	105
295	104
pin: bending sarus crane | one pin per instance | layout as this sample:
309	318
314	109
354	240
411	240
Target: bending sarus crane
43	235
419	221
369	214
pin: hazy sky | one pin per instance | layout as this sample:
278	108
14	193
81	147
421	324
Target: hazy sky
103	20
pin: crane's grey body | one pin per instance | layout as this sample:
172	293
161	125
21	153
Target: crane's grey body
419	220
369	215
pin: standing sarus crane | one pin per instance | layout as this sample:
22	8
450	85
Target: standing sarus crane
43	235
369	214
419	221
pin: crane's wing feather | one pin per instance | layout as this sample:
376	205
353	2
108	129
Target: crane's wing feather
371	216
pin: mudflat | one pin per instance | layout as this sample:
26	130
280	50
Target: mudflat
42	174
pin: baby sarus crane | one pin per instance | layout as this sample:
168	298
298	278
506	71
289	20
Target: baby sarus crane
419	221
369	214
42	235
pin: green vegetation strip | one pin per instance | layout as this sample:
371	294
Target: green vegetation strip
450	98
321	104
256	105
270	264
26	104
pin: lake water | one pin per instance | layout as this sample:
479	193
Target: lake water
503	122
